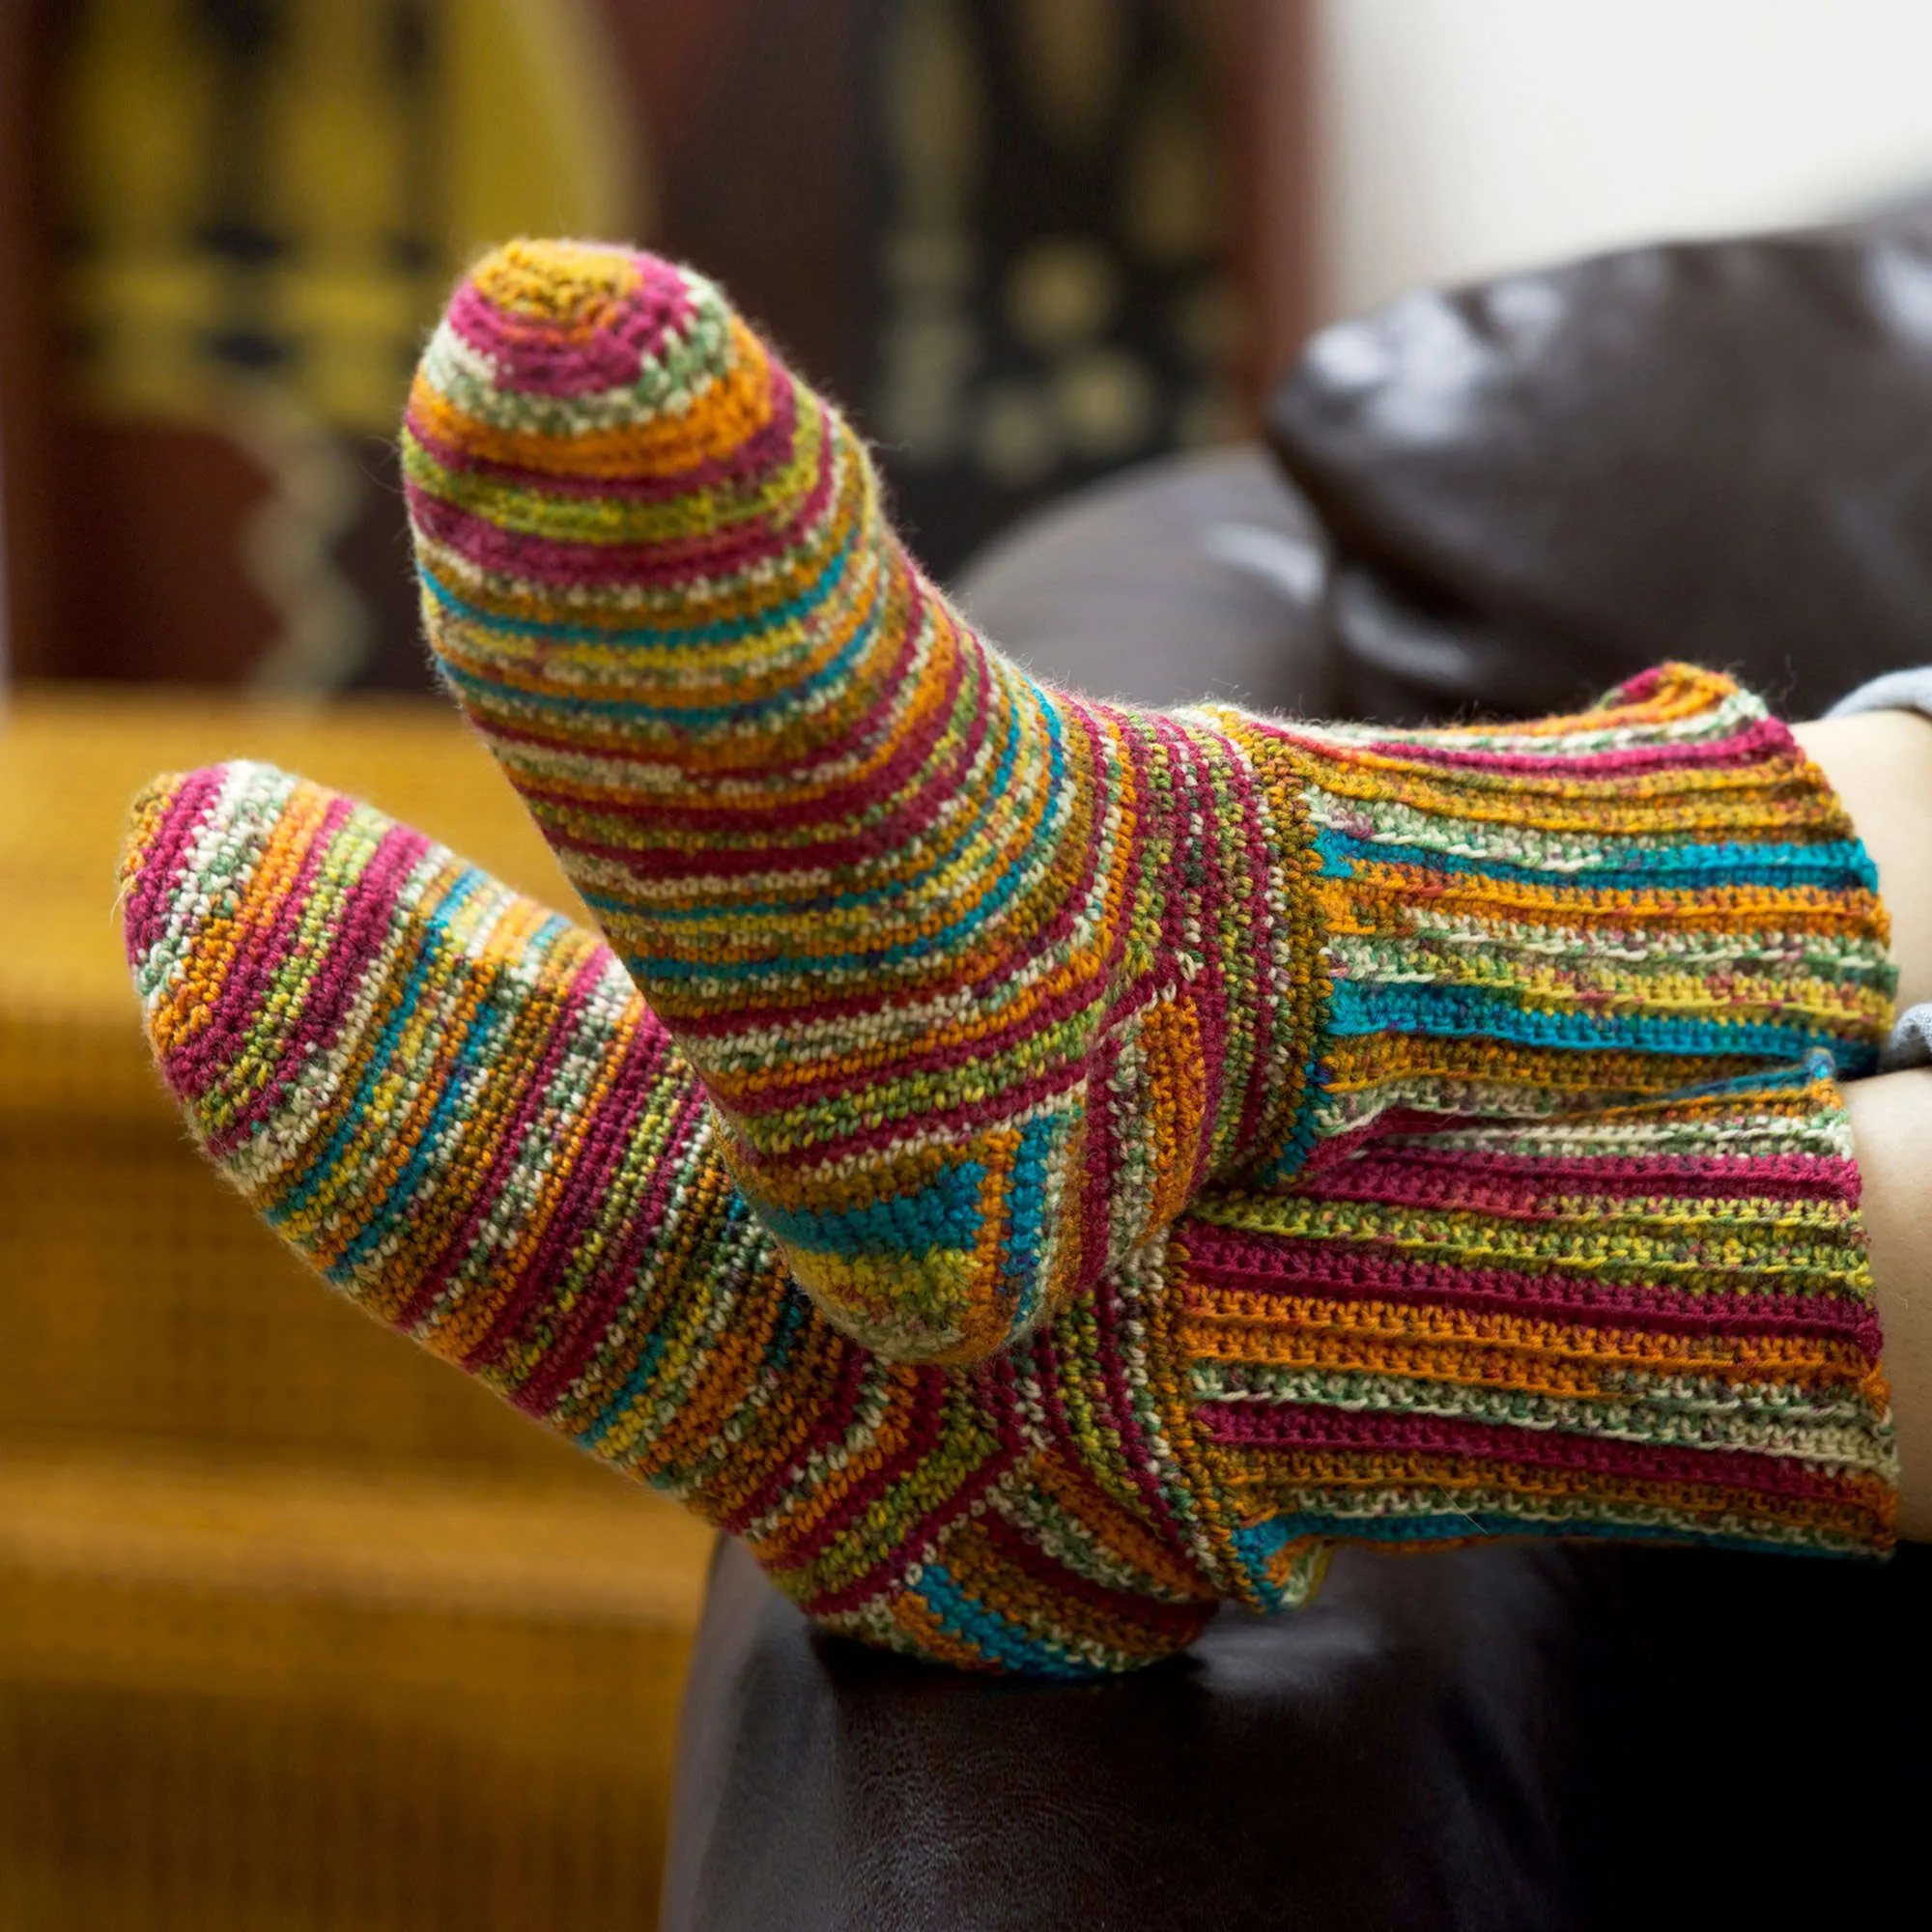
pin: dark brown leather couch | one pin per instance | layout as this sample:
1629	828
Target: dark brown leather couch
1501	498
1537	486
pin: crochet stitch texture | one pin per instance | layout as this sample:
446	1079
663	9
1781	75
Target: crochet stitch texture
1652	1320
989	982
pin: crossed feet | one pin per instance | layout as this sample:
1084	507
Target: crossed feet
980	1012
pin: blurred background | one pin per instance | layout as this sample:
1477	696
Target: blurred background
297	1629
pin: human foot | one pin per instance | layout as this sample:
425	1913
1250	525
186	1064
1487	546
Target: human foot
453	1105
988	981
1654	1322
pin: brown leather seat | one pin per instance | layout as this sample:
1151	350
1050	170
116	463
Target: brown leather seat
1200	577
1507	1737
1509	498
1365	1764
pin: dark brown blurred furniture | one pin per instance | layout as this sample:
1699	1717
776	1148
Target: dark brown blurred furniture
1511	1738
1538	485
1405	1742
1505	499
1199	577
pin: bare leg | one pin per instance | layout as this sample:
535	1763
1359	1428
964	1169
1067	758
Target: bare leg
1891	1131
1880	765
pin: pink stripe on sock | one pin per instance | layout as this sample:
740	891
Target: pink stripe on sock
354	941
144	919
1529	1189
535	355
1280	1274
1316	1428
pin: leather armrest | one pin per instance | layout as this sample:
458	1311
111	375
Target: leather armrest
1541	484
1186	578
1419	1731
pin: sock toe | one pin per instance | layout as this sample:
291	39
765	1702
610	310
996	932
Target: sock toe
243	889
576	388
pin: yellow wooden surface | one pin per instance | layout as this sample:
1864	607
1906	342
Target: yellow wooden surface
403	1539
71	756
299	1628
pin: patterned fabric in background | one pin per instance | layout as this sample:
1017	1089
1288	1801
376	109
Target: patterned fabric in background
1056	295
263	203
1013	262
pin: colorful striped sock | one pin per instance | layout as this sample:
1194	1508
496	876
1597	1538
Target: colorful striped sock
454	1106
1654	1322
989	982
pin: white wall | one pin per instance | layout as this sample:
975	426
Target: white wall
1463	136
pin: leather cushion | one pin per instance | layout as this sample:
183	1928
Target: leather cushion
1184	578
1541	484
1401	1750
1508	1736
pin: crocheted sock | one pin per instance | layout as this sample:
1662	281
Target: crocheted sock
1532	920
1653	1323
987	980
454	1106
